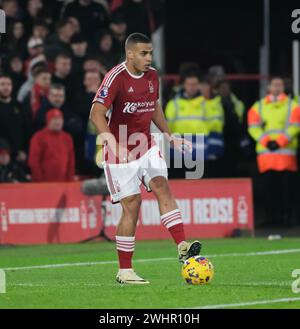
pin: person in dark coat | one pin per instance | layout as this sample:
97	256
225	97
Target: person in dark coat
11	119
10	171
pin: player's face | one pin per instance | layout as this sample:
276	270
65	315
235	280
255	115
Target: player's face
142	56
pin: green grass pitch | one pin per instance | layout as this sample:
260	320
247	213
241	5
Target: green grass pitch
85	276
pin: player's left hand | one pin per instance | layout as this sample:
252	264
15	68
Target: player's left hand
181	144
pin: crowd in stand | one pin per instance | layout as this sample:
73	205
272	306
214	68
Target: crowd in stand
53	58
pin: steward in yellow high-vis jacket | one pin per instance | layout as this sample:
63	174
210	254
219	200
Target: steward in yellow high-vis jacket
194	114
274	123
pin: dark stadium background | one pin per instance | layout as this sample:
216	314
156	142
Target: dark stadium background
229	33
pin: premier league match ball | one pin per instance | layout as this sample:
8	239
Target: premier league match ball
197	270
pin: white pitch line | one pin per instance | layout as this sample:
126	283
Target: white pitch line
257	302
259	253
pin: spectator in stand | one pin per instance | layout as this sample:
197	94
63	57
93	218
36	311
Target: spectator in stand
33	102
72	122
62	75
79	47
82	103
51	155
118	26
11	121
40	29
25	89
56	99
76	24
15	70
91	15
35	48
92	64
10	171
91	84
33	10
138	15
60	41
12	11
16	40
107	55
235	132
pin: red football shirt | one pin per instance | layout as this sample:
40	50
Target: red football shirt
131	100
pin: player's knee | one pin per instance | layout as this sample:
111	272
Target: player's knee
159	186
132	203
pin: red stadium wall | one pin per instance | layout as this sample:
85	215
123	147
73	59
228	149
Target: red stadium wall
60	213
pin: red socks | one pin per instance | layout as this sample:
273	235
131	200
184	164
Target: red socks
173	222
125	248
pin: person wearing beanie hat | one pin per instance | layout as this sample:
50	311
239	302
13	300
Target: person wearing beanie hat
51	152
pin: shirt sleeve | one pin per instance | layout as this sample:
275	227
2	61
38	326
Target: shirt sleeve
107	91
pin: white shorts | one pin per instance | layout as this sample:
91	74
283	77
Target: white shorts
125	179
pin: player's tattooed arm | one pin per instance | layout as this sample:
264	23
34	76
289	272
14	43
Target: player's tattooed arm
160	121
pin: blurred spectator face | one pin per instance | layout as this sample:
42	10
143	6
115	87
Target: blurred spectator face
16	65
79	49
5	87
63	66
205	89
224	89
43	79
118	28
33	7
105	43
276	86
56	124
36	51
35	46
57	97
85	2
91	81
40	31
67	30
4	158
10	8
18	30
191	86
75	24
91	65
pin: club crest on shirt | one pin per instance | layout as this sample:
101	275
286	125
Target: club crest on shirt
103	92
151	88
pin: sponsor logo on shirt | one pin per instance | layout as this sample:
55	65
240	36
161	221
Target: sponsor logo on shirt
130	90
132	107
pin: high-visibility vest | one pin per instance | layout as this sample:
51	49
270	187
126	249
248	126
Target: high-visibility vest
239	107
198	116
275	119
